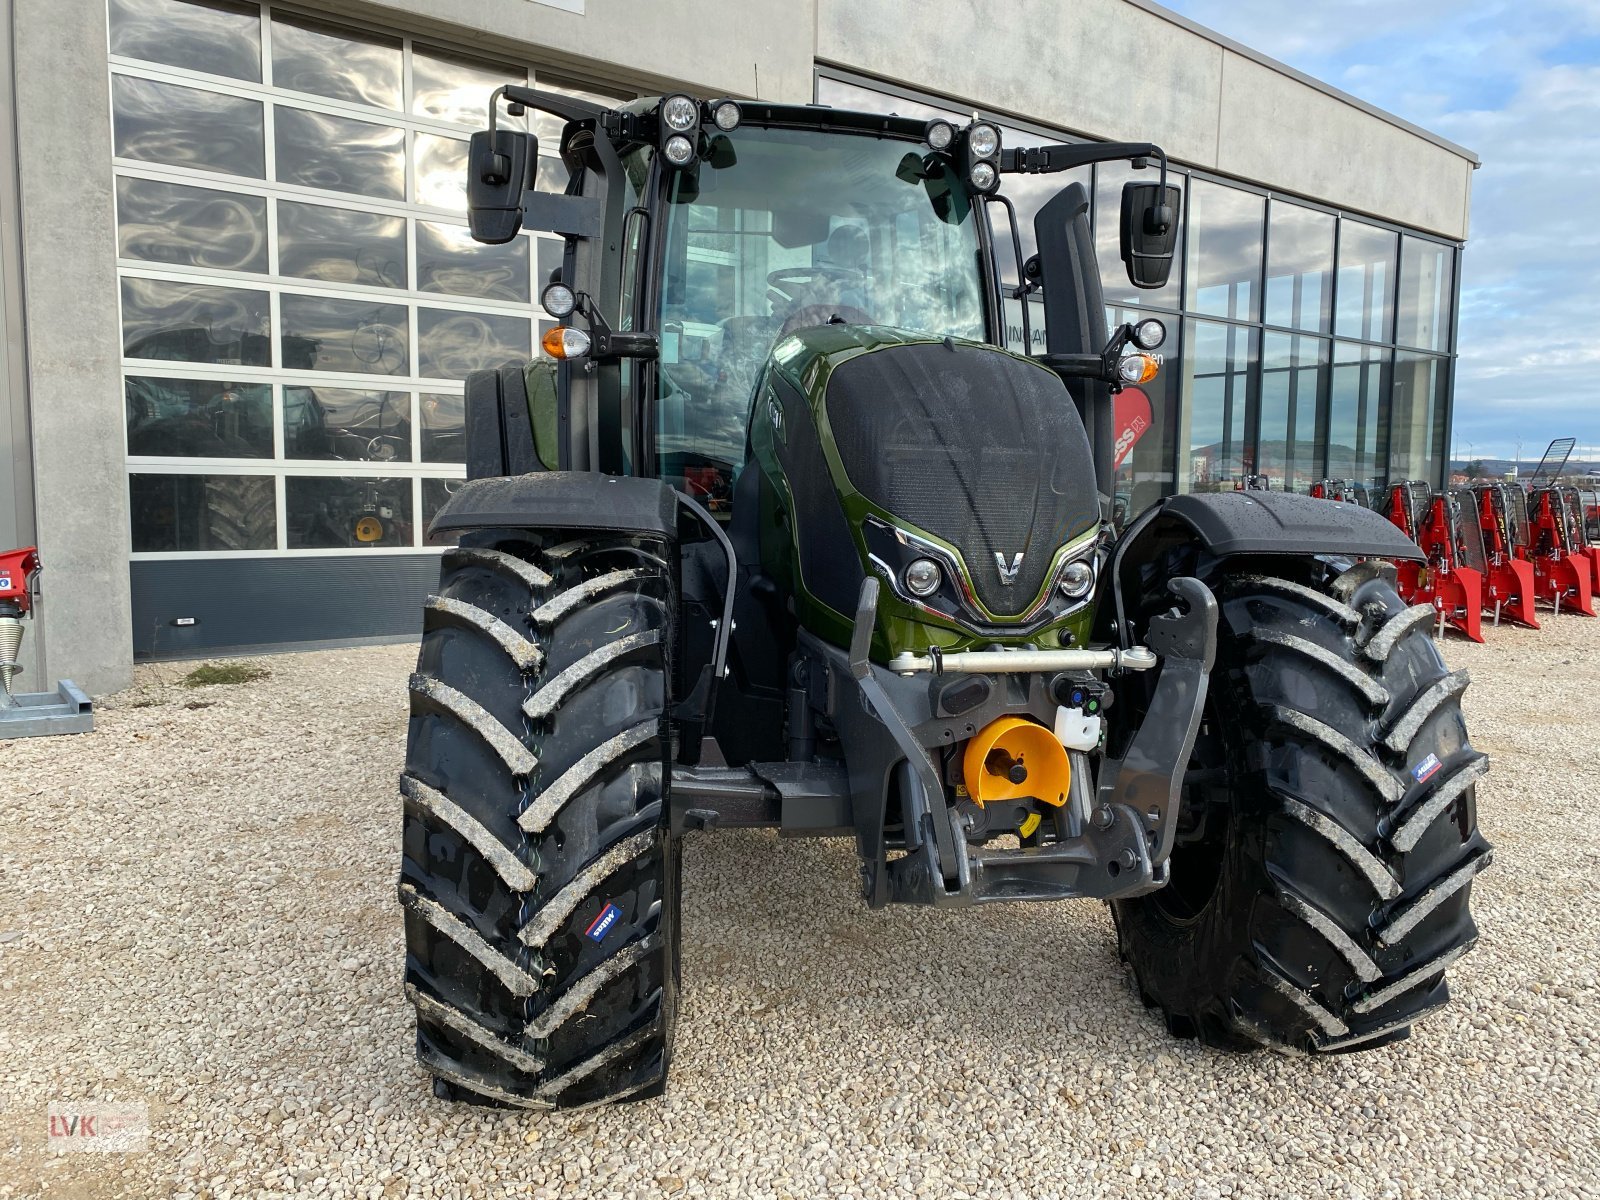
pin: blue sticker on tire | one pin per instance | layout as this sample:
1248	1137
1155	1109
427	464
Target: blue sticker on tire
601	925
1426	769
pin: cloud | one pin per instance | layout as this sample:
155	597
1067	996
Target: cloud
1520	85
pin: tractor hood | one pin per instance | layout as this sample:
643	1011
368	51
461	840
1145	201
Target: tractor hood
922	448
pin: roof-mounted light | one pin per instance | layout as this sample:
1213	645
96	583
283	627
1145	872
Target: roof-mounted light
725	114
939	134
679	113
983	140
679	150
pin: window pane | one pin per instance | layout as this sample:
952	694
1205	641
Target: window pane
195	227
1145	431
1108	217
450	345
198	418
202	512
203	35
355	336
441	165
341	155
1218	390
1427	272
1358	414
1299	267
1416	436
449	88
448	260
329	512
328	60
343	423
1287	452
186	127
189	322
551	253
434	494
1224	250
341	245
1366	281
444	427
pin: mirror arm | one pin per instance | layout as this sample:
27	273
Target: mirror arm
568	108
1044	160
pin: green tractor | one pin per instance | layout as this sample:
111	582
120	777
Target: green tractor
778	534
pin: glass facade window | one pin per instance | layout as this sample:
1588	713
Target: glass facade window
1427	294
1416	422
1366	281
1218	369
1299	267
1223	273
298	285
1358	413
1289	450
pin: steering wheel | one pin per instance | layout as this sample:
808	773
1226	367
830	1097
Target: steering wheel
808	315
791	283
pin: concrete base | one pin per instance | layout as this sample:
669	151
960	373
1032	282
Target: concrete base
33	714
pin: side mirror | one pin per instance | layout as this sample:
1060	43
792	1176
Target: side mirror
1149	232
501	164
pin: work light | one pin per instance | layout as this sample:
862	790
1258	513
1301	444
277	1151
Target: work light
679	150
984	141
1149	333
557	300
726	114
680	114
939	134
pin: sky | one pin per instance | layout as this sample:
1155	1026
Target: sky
1518	84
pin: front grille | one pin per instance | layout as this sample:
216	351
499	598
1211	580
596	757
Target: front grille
982	449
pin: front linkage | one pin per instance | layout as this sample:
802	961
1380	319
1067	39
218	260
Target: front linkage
1112	836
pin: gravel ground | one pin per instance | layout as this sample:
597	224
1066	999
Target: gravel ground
198	911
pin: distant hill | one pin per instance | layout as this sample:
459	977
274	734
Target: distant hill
1498	467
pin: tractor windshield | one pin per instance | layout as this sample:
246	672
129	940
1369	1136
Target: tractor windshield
780	229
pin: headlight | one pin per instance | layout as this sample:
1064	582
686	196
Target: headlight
558	300
679	150
982	176
1077	580
1149	333
923	577
726	115
680	113
939	134
984	141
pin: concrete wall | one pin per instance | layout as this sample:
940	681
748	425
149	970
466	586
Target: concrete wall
1127	69
74	384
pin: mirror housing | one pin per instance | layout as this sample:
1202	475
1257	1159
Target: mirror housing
501	165
1149	232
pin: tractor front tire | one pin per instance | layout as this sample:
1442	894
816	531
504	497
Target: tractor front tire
1328	837
539	881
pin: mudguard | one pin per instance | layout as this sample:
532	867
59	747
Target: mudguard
1251	522
561	500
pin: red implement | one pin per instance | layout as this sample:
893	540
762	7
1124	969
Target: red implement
1562	569
1454	589
1508	575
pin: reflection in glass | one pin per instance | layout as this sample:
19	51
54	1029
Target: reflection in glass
1427	274
448	260
189	322
1224	266
550	253
434	494
1416	426
354	336
218	36
1287	452
1366	281
341	245
345	423
450	345
357	512
202	512
441	166
449	88
329	60
1358	414
444	427
1299	267
194	227
1108	218
552	174
198	418
1219	394
340	155
186	127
